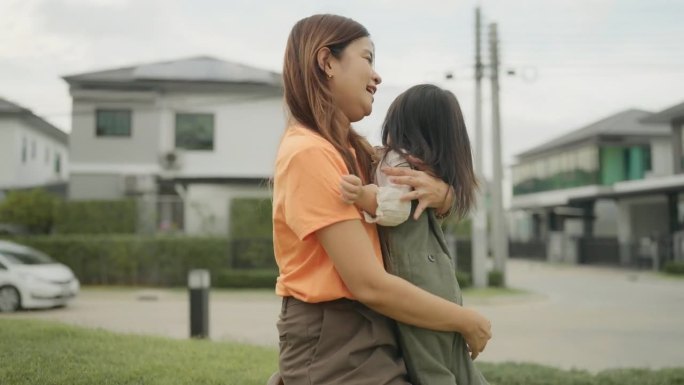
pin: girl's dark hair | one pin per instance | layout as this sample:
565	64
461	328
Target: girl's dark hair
426	122
307	95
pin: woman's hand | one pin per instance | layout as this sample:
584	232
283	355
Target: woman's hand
478	333
429	190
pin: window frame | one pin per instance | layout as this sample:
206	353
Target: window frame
213	131
102	134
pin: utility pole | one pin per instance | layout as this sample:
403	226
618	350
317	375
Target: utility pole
500	237
479	218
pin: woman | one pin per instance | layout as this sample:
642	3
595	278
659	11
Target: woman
336	294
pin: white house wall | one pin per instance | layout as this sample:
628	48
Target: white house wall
90	153
39	168
247	132
10	149
207	206
661	157
606	213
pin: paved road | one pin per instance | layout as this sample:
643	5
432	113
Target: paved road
582	317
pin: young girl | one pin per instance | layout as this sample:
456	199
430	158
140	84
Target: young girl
425	123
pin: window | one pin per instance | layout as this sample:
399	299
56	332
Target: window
195	131
33	149
2	267
58	163
47	154
648	165
24	150
113	122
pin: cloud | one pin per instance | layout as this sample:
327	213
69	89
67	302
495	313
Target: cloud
592	58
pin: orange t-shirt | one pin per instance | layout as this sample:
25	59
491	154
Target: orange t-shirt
307	198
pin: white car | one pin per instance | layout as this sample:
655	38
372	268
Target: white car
30	279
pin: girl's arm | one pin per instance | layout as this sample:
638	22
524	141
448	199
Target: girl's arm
363	197
381	204
352	253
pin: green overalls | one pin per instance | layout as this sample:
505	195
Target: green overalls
418	253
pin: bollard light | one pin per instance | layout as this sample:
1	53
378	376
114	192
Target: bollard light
198	285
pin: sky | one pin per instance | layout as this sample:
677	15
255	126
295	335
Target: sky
575	61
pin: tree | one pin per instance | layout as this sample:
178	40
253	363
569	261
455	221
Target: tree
33	209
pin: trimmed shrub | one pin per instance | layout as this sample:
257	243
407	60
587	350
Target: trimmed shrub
495	278
96	217
31	209
251	218
464	279
251	231
674	268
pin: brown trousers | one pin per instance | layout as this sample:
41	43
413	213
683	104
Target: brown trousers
337	342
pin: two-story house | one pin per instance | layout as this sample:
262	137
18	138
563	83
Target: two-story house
605	193
34	152
202	130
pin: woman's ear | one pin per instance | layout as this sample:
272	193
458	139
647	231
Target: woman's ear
323	58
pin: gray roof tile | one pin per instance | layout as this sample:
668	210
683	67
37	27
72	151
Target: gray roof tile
198	69
40	124
625	123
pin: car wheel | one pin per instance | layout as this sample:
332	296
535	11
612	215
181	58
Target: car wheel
9	299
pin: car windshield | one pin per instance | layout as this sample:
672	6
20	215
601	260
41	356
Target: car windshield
27	258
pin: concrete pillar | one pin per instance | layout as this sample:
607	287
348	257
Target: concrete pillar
624	232
536	227
673	210
588	219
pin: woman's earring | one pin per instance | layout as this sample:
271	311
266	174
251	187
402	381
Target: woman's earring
329	76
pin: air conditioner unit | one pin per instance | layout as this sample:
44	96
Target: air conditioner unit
171	160
138	183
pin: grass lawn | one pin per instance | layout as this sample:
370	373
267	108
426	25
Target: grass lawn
38	352
46	353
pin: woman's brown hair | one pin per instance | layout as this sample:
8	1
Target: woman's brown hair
307	94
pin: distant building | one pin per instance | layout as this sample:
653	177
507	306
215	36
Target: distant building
607	193
34	152
191	133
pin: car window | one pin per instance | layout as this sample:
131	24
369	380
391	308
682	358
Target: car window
2	267
29	258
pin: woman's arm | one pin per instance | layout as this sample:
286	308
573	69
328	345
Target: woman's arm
352	253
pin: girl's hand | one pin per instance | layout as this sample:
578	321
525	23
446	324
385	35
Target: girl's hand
351	187
429	190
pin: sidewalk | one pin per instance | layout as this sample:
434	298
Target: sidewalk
588	318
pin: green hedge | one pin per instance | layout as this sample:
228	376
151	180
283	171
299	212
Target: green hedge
135	260
96	217
674	268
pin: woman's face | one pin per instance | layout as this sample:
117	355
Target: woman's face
354	80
